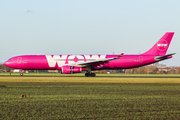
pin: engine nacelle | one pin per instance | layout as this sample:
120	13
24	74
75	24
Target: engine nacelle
70	69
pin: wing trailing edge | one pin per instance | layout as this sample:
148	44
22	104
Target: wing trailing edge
97	62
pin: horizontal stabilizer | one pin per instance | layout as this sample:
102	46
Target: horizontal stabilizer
164	57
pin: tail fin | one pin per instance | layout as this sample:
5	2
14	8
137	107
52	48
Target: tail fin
161	47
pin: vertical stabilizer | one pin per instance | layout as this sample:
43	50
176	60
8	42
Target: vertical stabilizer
161	47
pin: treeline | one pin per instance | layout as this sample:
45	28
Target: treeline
154	70
147	70
4	68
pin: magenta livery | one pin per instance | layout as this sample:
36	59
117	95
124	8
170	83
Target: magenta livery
70	64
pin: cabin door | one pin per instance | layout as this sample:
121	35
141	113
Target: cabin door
19	60
140	59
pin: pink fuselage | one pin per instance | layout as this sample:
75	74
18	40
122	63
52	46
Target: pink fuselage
55	62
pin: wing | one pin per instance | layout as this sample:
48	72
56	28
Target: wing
97	62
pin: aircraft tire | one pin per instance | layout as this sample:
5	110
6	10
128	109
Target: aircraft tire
93	74
87	74
21	74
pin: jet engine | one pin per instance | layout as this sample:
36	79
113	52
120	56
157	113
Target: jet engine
70	69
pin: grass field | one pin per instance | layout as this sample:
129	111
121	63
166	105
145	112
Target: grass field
89	98
82	74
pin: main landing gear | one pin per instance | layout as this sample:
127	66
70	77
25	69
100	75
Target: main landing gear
89	73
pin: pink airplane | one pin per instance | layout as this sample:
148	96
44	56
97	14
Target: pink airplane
70	64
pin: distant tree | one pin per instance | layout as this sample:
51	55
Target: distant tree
160	71
129	71
102	71
140	70
143	70
5	68
154	69
113	71
170	70
178	70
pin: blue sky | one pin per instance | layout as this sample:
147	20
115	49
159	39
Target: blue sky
87	27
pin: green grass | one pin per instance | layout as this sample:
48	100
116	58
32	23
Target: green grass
73	98
82	74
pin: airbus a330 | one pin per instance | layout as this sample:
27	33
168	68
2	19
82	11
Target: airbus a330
70	64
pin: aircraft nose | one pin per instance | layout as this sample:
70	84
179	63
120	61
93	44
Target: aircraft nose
6	63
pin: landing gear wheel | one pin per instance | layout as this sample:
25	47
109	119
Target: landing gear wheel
93	74
21	74
87	74
90	75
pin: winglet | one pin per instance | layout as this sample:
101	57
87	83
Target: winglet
120	55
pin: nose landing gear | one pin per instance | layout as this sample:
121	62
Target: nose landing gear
21	74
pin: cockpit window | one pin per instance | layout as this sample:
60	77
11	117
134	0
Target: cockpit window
10	60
